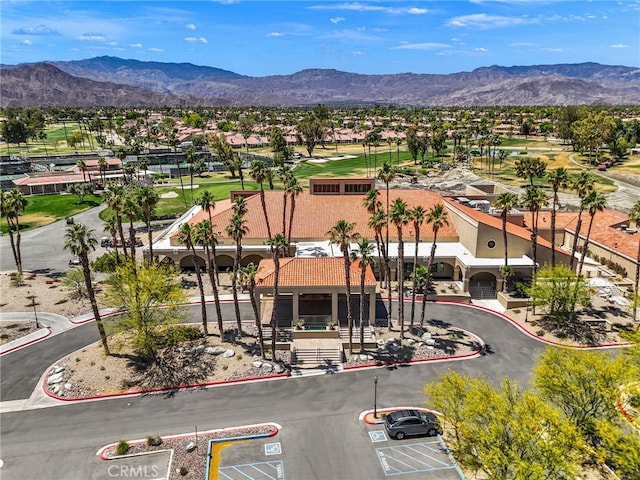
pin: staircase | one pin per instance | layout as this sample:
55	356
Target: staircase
483	292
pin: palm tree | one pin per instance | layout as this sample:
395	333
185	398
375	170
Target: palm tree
131	210
205	237
582	186
12	204
437	218
364	254
102	166
558	178
594	202
80	240
422	281
534	199
284	174
248	278
399	216
417	215
207	203
147	199
505	201
237	229
278	245
110	226
81	164
293	188
187	235
377	220
258	173
190	157
342	234
115	201
634	216
386	174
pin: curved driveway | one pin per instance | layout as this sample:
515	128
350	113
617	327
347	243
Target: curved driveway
45	443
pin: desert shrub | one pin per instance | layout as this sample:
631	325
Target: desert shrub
540	333
175	335
154	440
122	447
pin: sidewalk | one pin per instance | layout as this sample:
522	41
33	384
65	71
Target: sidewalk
50	323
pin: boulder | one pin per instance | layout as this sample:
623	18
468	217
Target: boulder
200	349
256	363
228	353
67	386
425	336
215	350
267	368
430	342
55	378
410	341
380	342
56	389
190	447
58	369
279	368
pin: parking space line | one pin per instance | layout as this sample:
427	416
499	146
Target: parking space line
424	454
414	458
254	471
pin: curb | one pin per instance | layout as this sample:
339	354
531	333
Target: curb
45	330
364	416
276	428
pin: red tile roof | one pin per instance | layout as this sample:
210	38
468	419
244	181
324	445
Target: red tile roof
311	272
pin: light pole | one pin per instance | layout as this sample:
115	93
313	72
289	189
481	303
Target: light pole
33	304
375	397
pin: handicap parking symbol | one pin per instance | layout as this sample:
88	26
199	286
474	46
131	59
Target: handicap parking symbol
378	436
273	449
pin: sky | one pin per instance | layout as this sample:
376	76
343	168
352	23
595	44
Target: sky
259	38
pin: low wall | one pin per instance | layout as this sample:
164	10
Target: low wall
509	302
300	334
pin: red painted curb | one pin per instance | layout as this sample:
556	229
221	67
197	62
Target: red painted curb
158	390
385	410
103	456
25	344
533	335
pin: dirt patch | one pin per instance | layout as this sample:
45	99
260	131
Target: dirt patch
10	331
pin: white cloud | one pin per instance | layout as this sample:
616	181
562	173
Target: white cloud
417	11
553	50
92	37
421	46
203	40
37	30
275	34
27	42
523	44
484	21
196	40
113	44
191	26
480	49
357	53
337	19
155	50
363	7
619	45
135	45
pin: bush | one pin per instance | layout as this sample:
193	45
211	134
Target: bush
122	447
180	333
154	440
540	333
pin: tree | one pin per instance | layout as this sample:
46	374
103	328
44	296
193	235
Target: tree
505	201
151	298
81	190
505	432
279	145
247	277
278	245
399	216
634	216
131	210
342	235
147	199
293	188
237	229
387	173
80	240
284	174
437	217
206	238
102	167
258	173
115	201
417	215
582	186
74	279
310	132
208	203
187	235
363	254
110	226
422	284
534	199
551	291
594	202
191	158
529	167
413	142
12	204
557	178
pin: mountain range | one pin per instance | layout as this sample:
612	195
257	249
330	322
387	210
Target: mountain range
114	81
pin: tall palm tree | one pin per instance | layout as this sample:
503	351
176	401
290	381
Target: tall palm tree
278	245
634	216
594	202
102	167
534	199
110	226
386	174
582	186
208	203
284	174
187	235
376	222
248	278
191	158
422	280
237	229
259	172
417	215
12	204
205	237
399	216
364	254
437	217
115	201
505	202
80	240
342	235
147	199
557	178
293	188
131	210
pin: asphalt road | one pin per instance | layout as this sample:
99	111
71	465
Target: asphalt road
318	414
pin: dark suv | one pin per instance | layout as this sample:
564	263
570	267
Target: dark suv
401	423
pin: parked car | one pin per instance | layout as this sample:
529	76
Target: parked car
106	241
402	423
602	167
74	262
70	220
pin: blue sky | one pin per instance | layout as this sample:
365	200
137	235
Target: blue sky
260	38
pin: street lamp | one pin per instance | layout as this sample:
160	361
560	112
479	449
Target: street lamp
375	397
33	304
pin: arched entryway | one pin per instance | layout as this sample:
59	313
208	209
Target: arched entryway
224	263
482	285
187	263
255	259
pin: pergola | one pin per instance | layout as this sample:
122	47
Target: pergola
319	278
